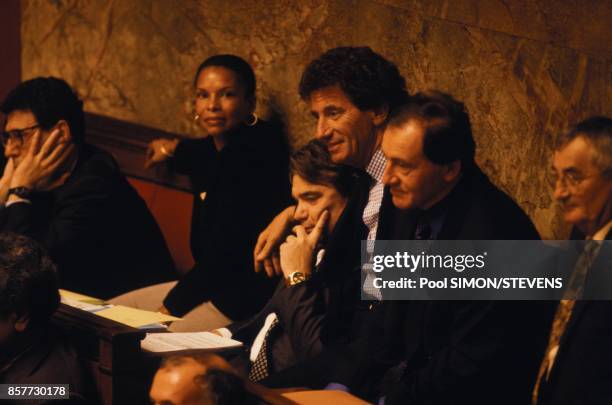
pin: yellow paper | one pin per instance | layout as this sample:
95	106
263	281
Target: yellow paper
134	317
80	297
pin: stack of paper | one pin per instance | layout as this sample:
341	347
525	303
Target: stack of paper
136	318
84	302
188	341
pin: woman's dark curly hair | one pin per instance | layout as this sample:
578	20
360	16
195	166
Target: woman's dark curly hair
369	80
240	67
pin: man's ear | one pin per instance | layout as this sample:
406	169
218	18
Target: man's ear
452	172
21	323
380	114
63	126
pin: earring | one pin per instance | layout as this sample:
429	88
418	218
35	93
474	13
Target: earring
196	117
254	120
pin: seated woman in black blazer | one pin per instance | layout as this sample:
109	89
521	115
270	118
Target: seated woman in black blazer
238	171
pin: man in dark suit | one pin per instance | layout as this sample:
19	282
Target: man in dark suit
312	306
31	352
577	366
72	197
438	352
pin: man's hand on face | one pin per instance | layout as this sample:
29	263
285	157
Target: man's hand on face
265	254
298	251
40	163
5	181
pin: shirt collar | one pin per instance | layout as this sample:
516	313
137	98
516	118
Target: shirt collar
601	234
376	167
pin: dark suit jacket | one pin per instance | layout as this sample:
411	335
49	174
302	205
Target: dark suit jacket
318	311
582	372
46	357
96	228
245	185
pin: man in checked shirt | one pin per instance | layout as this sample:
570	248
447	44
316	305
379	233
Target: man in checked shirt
351	91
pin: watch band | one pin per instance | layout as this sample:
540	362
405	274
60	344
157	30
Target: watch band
21	192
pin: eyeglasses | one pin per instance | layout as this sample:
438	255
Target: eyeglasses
570	180
18	135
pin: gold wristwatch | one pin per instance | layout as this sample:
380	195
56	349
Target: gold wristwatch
295	278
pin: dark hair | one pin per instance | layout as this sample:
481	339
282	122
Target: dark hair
313	163
448	133
597	131
50	100
369	80
240	67
28	281
221	387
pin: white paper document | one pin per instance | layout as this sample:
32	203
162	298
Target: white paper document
176	342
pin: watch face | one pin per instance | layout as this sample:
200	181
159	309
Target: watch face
296	278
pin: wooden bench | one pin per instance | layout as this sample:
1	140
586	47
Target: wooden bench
167	195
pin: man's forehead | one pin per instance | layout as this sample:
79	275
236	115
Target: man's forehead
403	140
328	97
300	186
19	119
577	154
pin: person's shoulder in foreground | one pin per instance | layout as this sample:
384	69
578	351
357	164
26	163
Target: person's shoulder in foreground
31	351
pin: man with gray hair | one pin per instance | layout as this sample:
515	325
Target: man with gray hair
577	365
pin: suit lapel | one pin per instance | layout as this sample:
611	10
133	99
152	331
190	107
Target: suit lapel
579	308
573	323
456	216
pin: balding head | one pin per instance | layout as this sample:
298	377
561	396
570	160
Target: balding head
205	379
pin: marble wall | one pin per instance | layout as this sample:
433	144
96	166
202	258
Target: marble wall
526	69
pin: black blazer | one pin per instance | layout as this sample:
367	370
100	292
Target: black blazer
582	371
96	228
46	357
245	185
319	311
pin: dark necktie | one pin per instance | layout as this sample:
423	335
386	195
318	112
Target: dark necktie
564	311
261	366
423	231
423	228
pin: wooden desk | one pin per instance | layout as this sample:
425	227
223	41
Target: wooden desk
111	352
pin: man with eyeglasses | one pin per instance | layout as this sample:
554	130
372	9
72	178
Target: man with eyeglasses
72	197
577	365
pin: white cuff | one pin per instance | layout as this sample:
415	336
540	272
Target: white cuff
17	200
224	332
